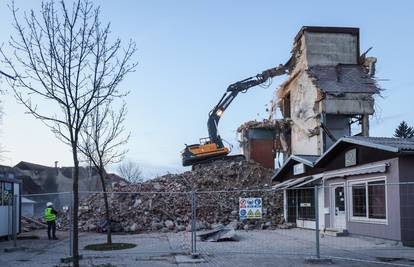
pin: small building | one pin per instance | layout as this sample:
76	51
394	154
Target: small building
258	140
28	207
365	187
10	187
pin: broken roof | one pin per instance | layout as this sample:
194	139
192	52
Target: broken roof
343	78
264	124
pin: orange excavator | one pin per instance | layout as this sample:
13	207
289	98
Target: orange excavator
212	148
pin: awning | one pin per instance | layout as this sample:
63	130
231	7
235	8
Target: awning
291	182
377	168
282	184
308	182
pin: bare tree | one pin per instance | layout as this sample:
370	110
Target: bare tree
2	91
65	65
6	75
103	136
130	171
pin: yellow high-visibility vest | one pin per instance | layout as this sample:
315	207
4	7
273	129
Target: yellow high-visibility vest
49	216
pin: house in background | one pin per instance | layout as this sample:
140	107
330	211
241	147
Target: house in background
365	186
10	187
41	183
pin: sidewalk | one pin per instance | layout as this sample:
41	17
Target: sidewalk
255	248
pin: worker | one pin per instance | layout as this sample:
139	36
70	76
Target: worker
50	217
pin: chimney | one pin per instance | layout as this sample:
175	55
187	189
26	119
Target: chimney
56	167
326	46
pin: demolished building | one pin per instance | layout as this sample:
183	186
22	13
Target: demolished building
329	92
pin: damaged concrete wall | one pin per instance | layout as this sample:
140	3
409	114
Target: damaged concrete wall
330	48
327	87
304	116
324	49
348	103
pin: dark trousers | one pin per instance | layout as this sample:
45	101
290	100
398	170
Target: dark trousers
51	227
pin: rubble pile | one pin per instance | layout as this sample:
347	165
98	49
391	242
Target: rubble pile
164	203
31	224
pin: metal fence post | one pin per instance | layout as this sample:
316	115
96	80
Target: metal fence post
70	215
14	222
317	222
193	224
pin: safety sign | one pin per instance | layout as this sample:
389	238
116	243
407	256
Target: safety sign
250	208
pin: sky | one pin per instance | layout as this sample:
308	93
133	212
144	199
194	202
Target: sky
190	51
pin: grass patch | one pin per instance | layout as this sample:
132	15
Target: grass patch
108	247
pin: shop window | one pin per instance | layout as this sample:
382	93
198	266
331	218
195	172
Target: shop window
359	207
376	200
368	200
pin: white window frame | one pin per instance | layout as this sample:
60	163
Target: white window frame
351	205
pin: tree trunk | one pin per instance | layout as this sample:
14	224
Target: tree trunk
107	210
75	243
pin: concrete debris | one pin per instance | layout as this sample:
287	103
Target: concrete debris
219	233
164	203
30	224
276	125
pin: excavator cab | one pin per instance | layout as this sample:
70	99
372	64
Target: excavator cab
205	150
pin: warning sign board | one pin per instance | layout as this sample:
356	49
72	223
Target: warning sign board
250	208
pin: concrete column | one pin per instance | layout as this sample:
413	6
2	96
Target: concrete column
365	125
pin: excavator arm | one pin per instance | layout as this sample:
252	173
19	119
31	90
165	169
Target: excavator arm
232	91
214	147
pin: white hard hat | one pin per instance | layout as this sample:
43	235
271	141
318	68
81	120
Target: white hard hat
49	204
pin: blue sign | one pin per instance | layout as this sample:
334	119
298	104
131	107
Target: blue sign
250	208
250	202
243	213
